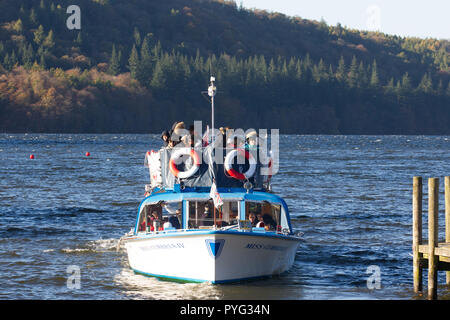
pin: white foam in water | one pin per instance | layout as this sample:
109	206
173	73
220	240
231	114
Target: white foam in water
101	245
141	287
68	250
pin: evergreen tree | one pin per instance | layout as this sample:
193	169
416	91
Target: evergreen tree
79	39
340	71
374	77
7	62
137	37
114	62
426	84
352	77
144	70
13	59
390	86
42	61
33	17
18	26
298	70
406	83
362	76
27	56
145	50
39	35
49	41
319	71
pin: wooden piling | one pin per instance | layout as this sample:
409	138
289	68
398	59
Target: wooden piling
417	233
447	217
433	209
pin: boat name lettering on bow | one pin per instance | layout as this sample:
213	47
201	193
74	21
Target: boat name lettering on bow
163	246
265	247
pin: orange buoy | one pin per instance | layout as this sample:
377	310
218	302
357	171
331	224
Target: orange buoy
31	156
88	154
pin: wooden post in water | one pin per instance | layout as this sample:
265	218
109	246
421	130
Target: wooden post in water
447	217
417	233
433	209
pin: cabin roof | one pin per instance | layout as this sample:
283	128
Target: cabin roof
238	196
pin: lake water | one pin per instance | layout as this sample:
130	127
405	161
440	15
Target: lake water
350	195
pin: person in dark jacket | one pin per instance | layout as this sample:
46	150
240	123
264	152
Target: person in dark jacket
165	136
176	220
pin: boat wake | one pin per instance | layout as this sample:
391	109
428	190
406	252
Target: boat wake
137	286
101	245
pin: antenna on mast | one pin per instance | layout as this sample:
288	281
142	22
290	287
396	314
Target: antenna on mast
212	92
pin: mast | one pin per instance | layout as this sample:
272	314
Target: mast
212	92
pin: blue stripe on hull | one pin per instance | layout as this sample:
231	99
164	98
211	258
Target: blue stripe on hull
178	279
209	232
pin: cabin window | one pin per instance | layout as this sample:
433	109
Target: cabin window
268	213
160	212
201	214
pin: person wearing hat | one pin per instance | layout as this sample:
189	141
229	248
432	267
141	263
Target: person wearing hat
165	136
251	138
178	132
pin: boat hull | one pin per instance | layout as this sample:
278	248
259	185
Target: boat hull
211	256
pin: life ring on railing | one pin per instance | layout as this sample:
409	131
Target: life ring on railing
233	173
181	152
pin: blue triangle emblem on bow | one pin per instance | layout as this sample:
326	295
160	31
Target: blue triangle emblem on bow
214	247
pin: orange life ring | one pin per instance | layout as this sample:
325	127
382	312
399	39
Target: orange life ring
233	173
178	153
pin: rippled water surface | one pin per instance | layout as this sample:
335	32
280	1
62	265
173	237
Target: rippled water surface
350	195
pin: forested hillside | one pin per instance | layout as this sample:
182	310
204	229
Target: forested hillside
139	65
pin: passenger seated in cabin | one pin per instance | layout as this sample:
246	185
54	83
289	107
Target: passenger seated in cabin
269	223
143	225
165	136
260	224
175	220
259	217
166	224
252	218
154	222
206	218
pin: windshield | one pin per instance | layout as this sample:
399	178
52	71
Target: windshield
154	216
203	215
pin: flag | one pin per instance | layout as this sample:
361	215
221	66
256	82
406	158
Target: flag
205	138
214	194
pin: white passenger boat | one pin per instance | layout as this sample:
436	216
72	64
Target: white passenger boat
211	222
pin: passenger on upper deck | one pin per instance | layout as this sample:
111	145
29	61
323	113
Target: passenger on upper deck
165	136
251	140
191	139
